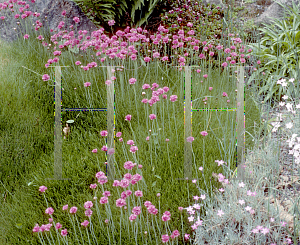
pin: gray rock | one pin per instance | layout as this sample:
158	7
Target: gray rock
50	8
275	11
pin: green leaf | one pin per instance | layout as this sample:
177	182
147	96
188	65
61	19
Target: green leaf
19	225
157	176
153	184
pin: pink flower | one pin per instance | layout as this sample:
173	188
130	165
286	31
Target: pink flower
152	116
77	63
73	210
165	238
190	139
119	134
26	36
133	149
258	62
93	186
220	213
187	236
95	150
49	211
65	207
204	133
42	188
103	133
132	217
102	180
111	151
63	13
210	88
128	118
64	232
138	193
189	24
87	84
225	64
173	98
85	223
111	22
46	77
132	81
58	226
88	204
147	59
120	202
103	200
225	94
108	82
88	213
205	75
76	19
165	218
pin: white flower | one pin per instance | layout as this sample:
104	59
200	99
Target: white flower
241	184
242	202
248	208
289	125
191	218
285	97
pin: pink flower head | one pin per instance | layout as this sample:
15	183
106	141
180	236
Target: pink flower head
210	88
225	94
205	75
42	188
145	86
87	84
119	134
128	118
103	200
204	133
190	139
88	204
108	82
64	232
147	59
132	81
94	150
58	226
132	217
77	63
152	116
46	77
49	211
26	36
63	13
85	223
65	207
88	212
76	19
103	133
111	22
111	151
138	193
93	186
189	24
173	98
73	210
120	202
133	149
165	238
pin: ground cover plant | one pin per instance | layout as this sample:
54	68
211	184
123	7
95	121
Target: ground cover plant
148	205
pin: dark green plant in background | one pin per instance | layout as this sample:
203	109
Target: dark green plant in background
278	51
132	12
